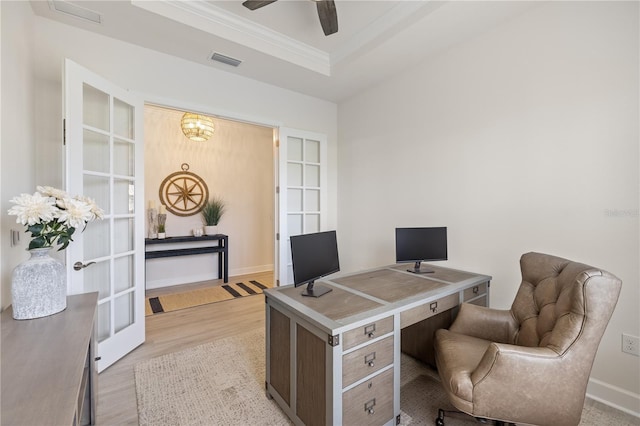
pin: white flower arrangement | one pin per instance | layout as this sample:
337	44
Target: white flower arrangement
52	216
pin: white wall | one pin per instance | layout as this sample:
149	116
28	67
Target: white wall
237	165
159	78
17	135
522	139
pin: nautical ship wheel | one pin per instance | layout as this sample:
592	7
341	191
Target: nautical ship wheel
184	193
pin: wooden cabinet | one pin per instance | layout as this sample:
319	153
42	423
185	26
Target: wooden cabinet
48	366
335	360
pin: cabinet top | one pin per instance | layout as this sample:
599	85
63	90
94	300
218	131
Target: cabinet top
43	361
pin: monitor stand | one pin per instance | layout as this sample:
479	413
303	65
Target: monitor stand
416	269
317	291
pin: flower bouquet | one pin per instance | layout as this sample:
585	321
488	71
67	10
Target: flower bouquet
52	216
39	285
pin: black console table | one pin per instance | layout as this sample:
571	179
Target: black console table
221	248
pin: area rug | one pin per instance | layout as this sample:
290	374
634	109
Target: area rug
222	383
218	383
204	296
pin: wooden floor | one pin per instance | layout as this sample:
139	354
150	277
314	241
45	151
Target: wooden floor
171	332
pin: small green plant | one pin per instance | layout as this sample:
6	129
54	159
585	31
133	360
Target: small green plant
161	228
212	211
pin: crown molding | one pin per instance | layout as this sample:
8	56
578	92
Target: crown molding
206	17
403	14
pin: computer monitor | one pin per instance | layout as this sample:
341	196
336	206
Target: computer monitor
314	256
421	244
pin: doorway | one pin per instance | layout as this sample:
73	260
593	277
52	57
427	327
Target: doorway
237	164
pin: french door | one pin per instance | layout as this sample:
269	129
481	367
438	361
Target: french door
302	191
104	160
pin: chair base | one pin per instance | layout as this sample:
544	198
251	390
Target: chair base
439	421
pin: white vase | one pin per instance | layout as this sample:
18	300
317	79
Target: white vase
38	286
162	235
211	230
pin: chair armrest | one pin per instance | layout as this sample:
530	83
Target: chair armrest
508	360
485	323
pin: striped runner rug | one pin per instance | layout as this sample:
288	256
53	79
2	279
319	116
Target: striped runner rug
204	296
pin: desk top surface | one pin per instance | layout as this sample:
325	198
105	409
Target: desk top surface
379	291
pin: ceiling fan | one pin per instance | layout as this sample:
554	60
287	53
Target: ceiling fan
326	12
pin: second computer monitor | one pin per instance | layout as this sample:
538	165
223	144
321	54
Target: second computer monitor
421	244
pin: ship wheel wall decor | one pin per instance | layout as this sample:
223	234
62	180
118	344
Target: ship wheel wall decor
184	193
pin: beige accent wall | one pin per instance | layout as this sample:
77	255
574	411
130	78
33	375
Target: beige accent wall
237	165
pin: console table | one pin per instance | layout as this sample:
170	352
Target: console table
221	247
49	375
335	359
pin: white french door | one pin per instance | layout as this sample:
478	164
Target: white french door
302	168
105	161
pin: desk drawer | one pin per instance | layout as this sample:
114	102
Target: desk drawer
367	332
366	360
428	310
370	403
475	291
480	301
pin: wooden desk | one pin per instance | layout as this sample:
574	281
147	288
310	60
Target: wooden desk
335	360
222	248
48	366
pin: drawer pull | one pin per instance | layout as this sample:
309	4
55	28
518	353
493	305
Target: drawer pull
434	307
369	330
368	406
476	290
369	385
369	359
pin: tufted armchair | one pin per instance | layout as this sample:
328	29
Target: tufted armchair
529	364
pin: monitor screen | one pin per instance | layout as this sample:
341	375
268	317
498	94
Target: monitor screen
314	256
421	244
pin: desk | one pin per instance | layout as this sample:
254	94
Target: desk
49	375
335	360
221	247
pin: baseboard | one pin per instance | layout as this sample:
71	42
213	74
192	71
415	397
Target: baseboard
613	396
250	270
171	281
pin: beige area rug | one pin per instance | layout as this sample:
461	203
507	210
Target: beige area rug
203	296
222	383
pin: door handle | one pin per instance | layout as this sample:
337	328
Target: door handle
79	265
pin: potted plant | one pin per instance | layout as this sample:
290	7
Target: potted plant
211	213
161	231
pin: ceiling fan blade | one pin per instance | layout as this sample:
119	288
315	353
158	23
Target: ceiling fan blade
328	16
256	4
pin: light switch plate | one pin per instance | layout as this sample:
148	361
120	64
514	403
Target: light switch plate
15	238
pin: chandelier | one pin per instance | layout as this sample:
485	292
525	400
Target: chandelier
196	127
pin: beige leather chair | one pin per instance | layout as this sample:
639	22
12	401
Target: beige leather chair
529	364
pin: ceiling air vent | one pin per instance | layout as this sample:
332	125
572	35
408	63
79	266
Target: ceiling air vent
225	59
73	10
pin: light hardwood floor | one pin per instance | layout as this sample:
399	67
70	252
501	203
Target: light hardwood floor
171	332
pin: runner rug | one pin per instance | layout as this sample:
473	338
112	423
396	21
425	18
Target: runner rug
204	296
222	383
